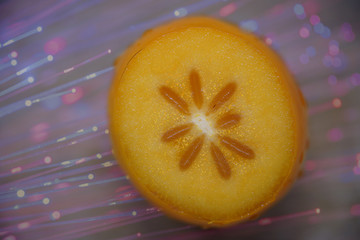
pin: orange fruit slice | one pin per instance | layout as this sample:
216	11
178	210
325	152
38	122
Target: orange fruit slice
207	121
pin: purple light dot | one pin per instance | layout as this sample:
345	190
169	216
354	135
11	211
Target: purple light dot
355	79
304	59
332	80
327	61
335	135
336	62
333	50
347	33
314	19
356	170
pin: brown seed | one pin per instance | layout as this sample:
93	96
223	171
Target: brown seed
238	147
176	132
174	99
222	97
228	120
191	152
195	84
220	160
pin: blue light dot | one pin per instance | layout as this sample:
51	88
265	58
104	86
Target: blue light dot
250	25
299	9
311	51
319	28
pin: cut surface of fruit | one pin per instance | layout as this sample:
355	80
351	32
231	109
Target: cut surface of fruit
207	121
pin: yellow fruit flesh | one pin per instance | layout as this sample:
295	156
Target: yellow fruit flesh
269	121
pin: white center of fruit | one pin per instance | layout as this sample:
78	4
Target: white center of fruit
200	120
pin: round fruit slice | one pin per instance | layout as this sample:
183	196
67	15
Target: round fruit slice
207	121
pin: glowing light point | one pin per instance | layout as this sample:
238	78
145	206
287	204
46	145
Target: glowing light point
108	164
181	12
28	103
106	131
73	90
336	102
23	225
46	201
99	156
304	32
13	54
55	215
94	128
20	193
16	170
109	50
13	62
30	79
138	234
39	29
50	58
133	213
265	221
317	210
47	159
91	176
10	237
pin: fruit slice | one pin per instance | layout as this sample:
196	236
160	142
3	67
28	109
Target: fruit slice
207	121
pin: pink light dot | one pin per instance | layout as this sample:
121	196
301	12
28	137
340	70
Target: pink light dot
13	54
55	45
138	234
80	161
268	41
336	102
265	221
355	210
23	225
335	135
304	32
347	33
356	170
310	165
55	215
39	132
47	159
314	19
62	185
10	237
227	10
333	50
73	97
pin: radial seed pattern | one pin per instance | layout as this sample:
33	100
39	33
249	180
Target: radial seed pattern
226	121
